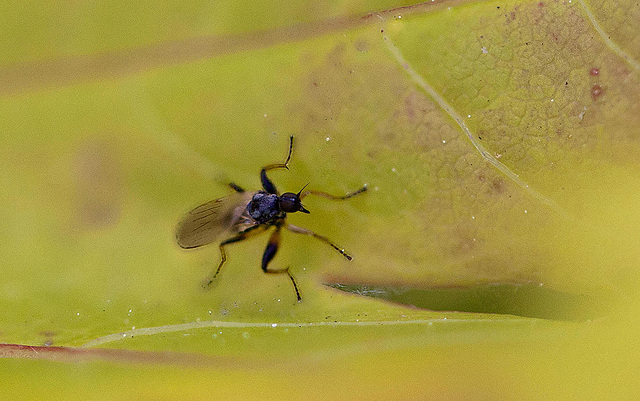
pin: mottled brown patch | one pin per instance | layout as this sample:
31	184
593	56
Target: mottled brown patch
415	107
98	187
621	71
498	185
342	98
492	184
336	56
362	46
465	240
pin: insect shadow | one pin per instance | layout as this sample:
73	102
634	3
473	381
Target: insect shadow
244	214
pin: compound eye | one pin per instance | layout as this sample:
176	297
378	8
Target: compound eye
289	202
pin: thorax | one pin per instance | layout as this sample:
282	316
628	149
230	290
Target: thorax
264	208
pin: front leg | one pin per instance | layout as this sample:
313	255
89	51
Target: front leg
333	197
266	182
268	255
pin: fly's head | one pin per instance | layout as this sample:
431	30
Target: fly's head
291	203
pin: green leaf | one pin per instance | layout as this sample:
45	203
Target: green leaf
498	140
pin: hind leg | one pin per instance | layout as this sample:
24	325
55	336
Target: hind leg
268	255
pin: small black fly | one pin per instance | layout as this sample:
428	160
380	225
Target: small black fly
243	214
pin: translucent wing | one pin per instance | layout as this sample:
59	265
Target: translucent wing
211	220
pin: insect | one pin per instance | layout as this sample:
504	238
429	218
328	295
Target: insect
244	214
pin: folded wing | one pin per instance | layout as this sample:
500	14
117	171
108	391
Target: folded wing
213	220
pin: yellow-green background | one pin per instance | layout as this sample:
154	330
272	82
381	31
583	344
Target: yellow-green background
116	118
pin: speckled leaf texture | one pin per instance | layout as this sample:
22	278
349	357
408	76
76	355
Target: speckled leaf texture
499	141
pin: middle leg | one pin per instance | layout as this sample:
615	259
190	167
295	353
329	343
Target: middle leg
300	230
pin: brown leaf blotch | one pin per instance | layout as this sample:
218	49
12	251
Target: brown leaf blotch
596	91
